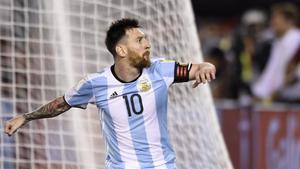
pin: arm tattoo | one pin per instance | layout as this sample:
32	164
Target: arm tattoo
52	109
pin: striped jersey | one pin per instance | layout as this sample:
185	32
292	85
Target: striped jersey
134	114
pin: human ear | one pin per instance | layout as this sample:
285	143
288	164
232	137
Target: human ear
121	50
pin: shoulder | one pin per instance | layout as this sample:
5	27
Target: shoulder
99	74
96	77
162	66
292	35
155	61
161	59
158	61
290	41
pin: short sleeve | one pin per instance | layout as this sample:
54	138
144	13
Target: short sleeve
80	95
173	71
165	67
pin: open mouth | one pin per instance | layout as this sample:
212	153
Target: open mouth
147	53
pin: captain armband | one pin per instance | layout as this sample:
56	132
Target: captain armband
182	72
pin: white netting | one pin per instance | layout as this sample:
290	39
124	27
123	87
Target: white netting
48	45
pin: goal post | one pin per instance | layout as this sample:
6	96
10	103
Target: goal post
46	46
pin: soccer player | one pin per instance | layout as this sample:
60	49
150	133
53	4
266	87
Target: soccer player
132	95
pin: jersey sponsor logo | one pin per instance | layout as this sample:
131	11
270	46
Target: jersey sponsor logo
144	84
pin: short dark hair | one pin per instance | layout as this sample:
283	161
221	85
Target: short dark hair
117	30
288	10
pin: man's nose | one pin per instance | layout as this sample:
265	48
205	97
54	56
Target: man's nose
147	45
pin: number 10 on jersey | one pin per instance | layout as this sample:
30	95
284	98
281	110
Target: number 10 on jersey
134	104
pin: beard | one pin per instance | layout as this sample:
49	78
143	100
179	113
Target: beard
138	61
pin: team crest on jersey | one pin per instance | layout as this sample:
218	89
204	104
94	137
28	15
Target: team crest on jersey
144	84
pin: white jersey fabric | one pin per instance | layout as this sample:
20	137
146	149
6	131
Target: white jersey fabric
134	115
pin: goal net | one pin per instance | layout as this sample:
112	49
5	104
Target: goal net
46	46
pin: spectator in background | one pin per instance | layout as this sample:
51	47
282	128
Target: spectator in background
283	22
219	86
245	43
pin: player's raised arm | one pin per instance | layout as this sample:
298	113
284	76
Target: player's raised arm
202	73
51	109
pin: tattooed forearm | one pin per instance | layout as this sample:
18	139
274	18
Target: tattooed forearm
51	109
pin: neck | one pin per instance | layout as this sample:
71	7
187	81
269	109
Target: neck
126	72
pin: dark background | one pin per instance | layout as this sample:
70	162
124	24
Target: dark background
230	8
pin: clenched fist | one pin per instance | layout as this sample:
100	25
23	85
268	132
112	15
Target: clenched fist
14	124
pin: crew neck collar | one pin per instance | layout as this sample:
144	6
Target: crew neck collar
120	80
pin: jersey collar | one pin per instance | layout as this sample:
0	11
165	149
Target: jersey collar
120	80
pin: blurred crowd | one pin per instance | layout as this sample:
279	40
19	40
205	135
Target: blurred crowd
257	55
